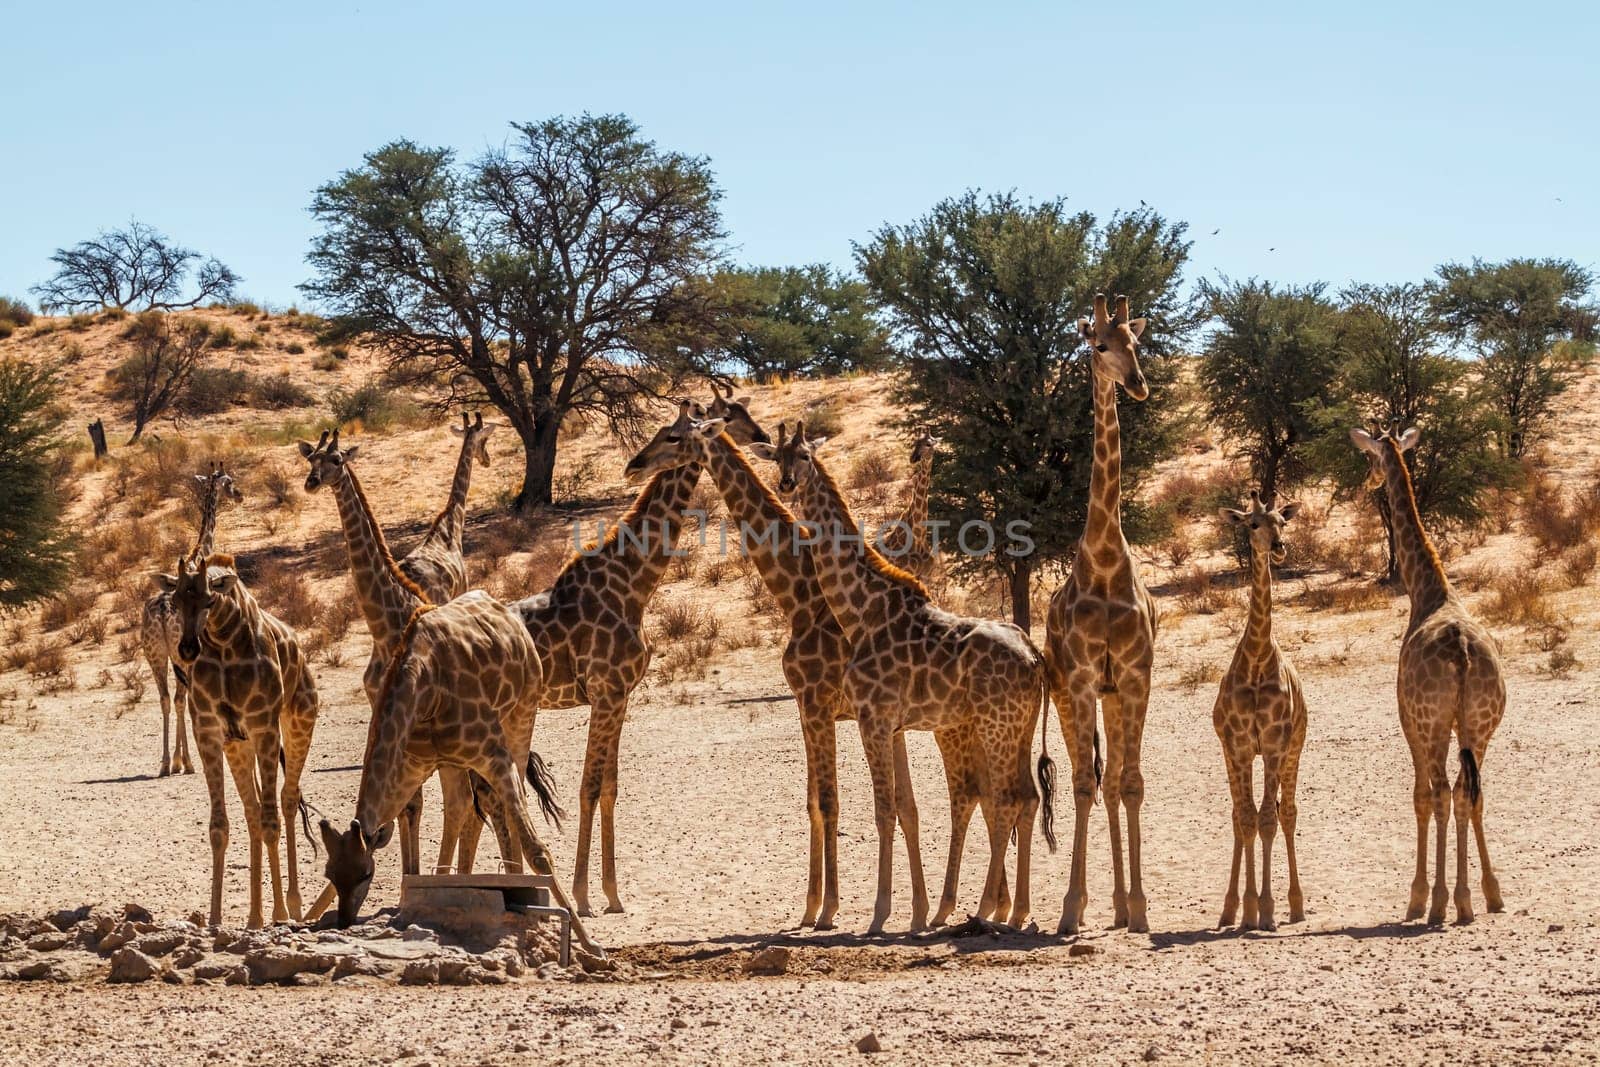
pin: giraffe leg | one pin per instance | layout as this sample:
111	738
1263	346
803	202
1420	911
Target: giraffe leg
1463	816
267	750
822	812
1134	707
1079	730
180	709
409	825
242	763
1439	783
212	763
1239	788
961	780
905	802
1288	816
1000	815
1491	884
608	824
457	794
1249	823
296	745
1111	712
1024	808
605	732
1267	826
159	669
877	739
1422	803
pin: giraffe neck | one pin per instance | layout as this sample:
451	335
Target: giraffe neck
206	543
1257	637
644	540
232	622
770	543
916	513
387	600
1102	531
448	526
852	581
1420	568
389	728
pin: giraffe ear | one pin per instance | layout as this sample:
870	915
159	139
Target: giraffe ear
743	401
330	837
1137	326
762	450
815	444
224	582
1230	517
1290	510
1409	439
306	448
457	430
713	427
166	582
1085	330
1363	440
350	453
381	838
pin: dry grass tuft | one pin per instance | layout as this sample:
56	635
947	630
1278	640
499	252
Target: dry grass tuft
870	469
1519	598
286	593
66	609
1343	597
1578	563
1197	673
1198	594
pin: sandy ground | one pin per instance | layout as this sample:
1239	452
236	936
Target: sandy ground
712	850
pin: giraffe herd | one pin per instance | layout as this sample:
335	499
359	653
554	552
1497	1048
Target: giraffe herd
456	677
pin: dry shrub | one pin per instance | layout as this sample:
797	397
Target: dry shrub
1550	636
870	469
286	593
1198	673
48	660
15	656
1194	496
684	617
825	418
1350	556
717	571
280	487
1197	594
91	629
1578	563
1519	598
1176	549
680	563
1346	598
1560	663
128	646
133	687
1473	577
66	608
337	617
1555	523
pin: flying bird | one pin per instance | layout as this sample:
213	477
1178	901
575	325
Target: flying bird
1216	231
1274	248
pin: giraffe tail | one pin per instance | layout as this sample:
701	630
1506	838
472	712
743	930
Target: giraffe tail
1047	770
305	808
1099	765
544	788
1469	760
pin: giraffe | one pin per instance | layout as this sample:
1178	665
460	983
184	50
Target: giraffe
437	563
813	659
461	690
905	541
978	682
1101	632
1261	710
1449	679
158	623
589	629
388	598
254	703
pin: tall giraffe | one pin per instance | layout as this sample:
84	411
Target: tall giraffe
589	629
254	703
813	659
906	541
1100	638
437	563
461	687
914	666
388	599
1261	711
158	623
1450	679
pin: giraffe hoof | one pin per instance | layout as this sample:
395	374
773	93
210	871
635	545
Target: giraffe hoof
164	771
614	909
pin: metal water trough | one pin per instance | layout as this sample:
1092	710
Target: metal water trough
526	894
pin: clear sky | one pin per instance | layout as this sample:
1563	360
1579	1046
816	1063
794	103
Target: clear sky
1360	140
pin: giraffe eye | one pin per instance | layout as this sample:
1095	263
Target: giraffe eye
1100	348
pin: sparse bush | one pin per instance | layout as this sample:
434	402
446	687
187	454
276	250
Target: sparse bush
1561	663
371	405
1197	594
280	486
871	468
294	348
1194	495
682	618
65	609
212	390
286	593
1579	563
324	362
825	418
223	336
1197	673
279	391
1343	597
1518	598
48	660
246	308
1176	549
14	314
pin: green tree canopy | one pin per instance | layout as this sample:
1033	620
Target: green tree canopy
803	321
1268	363
1392	375
985	291
546	278
35	546
1520	318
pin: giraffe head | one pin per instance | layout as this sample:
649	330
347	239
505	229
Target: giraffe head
220	482
350	863
326	459
475	435
1114	339
1384	451
1264	524
195	591
687	439
795	456
922	448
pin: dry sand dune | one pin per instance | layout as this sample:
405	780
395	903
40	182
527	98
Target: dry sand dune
712	834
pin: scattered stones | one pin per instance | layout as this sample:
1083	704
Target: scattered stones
420	972
868	1042
49	941
131	965
772	960
275	964
137	913
160	942
678	1024
1555	928
1152	1054
123	934
1082	949
67	918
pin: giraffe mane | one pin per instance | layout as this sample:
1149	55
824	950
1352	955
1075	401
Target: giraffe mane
874	559
1411	502
391	673
737	456
637	508
383	543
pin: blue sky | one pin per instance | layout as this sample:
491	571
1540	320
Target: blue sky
1360	140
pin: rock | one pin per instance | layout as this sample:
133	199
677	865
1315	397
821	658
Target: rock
772	960
32	969
188	956
212	970
1152	1054
418	933
1555	928
137	913
1081	949
420	972
131	965
456	972
678	1024
171	977
868	1042
67	918
91	931
593	964
49	941
122	935
160	943
357	965
240	975
198	918
279	963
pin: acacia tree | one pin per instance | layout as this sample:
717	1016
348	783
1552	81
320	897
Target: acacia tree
1391	375
1519	317
134	267
564	274
802	321
165	354
1266	366
35	545
985	292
